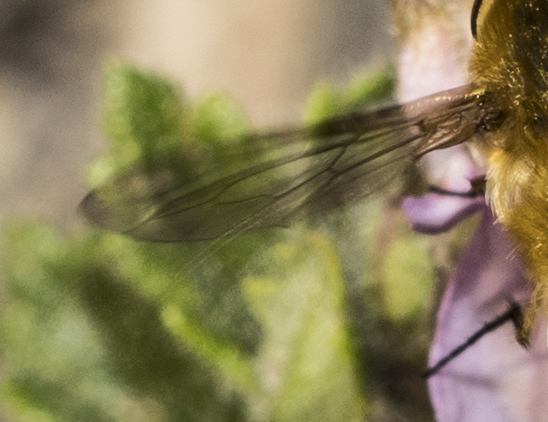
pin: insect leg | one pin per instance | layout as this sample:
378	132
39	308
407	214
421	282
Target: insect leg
513	314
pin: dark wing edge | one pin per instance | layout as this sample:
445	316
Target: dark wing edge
327	165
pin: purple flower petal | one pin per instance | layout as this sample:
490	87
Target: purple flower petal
434	213
495	379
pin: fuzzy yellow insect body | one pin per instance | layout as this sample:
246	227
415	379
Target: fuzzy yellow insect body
510	60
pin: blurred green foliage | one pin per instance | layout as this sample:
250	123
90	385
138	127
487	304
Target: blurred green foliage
326	321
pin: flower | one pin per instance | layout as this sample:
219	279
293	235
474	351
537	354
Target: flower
495	378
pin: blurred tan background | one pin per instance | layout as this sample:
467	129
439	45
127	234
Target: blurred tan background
267	54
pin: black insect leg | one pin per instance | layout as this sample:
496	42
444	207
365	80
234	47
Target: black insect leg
477	189
513	314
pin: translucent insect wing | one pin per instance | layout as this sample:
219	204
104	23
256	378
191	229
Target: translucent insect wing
295	173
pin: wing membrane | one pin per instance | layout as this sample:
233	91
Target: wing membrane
305	171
